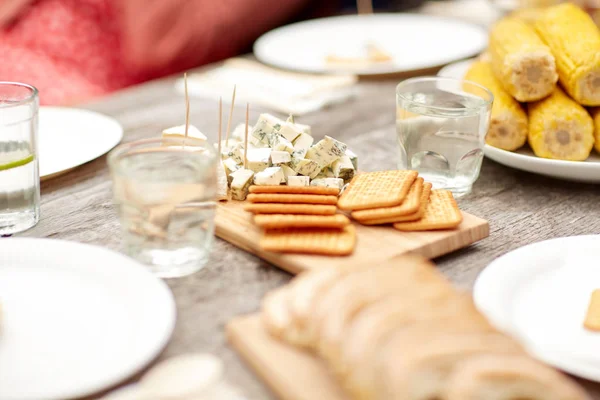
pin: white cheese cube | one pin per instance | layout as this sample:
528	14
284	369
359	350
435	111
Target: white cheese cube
353	157
326	151
328	182
242	179
287	172
271	176
304	128
298	180
194	138
290	131
230	166
279	143
343	168
259	159
239	133
280	157
266	126
306	167
301	145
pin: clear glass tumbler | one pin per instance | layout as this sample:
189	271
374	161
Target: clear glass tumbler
19	170
166	199
441	125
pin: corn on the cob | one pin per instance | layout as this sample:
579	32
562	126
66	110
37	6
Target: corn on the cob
596	116
560	128
574	40
508	124
521	61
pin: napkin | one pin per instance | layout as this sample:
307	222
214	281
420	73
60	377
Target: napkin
275	89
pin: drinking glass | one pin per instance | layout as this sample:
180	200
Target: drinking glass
166	198
19	170
441	125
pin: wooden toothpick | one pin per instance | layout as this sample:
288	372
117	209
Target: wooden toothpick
230	116
364	6
246	137
187	108
220	124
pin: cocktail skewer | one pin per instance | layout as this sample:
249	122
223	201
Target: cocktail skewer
230	117
187	108
220	125
246	137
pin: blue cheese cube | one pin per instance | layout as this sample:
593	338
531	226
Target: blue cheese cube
265	127
343	168
271	176
326	151
194	137
290	131
305	167
242	179
298	180
328	182
280	157
230	166
353	157
326	172
239	133
287	172
259	159
279	143
301	145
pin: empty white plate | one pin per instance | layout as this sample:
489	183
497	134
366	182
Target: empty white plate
540	294
413	41
70	137
580	171
76	319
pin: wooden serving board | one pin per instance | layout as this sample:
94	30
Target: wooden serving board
374	243
291	373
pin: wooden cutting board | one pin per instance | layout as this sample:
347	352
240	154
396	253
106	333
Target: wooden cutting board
291	373
374	243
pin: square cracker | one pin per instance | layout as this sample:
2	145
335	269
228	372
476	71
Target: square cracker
423	201
410	205
377	189
291	198
284	221
295	189
441	212
328	242
281	208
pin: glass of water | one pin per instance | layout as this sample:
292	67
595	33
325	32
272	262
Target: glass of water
19	171
166	198
441	125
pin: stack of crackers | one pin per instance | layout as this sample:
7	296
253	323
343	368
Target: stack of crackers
301	219
401	198
400	330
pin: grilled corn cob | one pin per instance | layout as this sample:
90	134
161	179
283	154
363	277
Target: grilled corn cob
521	61
508	124
596	116
574	40
560	128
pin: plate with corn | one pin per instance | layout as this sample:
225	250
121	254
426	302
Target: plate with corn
545	77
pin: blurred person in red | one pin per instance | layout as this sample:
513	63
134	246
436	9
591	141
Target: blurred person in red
75	50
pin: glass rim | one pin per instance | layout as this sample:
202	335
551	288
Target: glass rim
487	102
32	96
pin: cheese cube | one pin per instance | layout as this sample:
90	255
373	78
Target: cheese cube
279	143
287	172
280	157
266	126
343	168
326	172
242	179
328	182
301	145
237	153
290	131
326	151
239	133
353	157
269	177
298	181
230	166
304	128
258	159
194	138
305	167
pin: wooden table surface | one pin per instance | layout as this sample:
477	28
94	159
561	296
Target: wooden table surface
522	208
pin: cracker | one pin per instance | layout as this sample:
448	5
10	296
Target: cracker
295	189
410	205
377	189
592	318
441	212
405	218
292	198
328	242
283	221
279	208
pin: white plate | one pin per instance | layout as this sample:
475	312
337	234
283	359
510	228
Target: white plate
77	319
70	137
540	294
524	159
414	41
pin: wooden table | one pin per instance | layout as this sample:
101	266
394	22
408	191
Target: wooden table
522	208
